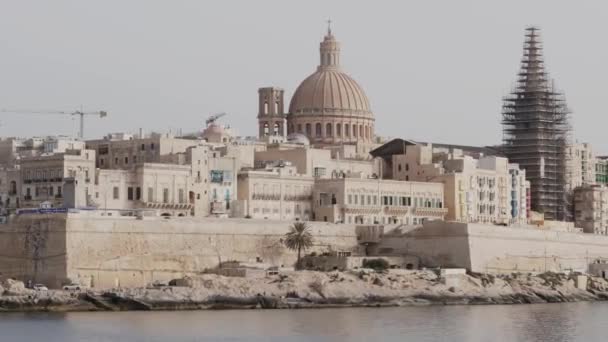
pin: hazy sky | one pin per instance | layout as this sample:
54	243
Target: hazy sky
433	70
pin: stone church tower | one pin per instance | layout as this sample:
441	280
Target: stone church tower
271	114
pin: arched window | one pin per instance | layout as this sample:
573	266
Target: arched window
346	130
308	129
318	130
299	128
361	131
354	131
276	107
265	128
328	132
265	107
276	128
367	132
13	188
338	130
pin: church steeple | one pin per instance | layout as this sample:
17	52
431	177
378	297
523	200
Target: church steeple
329	50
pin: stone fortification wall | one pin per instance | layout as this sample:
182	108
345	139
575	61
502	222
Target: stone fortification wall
504	250
496	249
33	247
125	251
434	244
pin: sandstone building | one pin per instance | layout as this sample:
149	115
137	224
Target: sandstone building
591	209
484	189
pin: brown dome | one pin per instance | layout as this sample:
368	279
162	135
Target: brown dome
330	91
329	107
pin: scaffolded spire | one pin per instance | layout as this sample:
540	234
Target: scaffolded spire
536	129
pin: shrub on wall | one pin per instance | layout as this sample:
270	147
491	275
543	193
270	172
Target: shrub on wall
376	264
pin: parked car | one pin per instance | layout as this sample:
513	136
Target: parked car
40	287
72	287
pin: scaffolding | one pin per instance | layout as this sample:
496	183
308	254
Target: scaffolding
536	129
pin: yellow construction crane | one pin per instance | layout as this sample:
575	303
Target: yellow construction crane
79	113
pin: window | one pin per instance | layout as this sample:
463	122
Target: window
318	130
101	161
59	191
338	130
399	167
143	147
115	161
356	199
130	193
115	192
150	195
354	131
134	159
407	167
308	129
328	132
350	199
165	195
103	149
50	191
180	196
346	130
126	160
299	128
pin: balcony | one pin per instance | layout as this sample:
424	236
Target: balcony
439	212
175	206
266	197
362	209
396	210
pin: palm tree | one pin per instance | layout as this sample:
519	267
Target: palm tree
298	238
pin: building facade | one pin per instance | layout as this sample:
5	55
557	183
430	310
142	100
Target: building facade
591	209
277	192
376	201
488	189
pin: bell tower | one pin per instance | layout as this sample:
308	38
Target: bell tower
271	114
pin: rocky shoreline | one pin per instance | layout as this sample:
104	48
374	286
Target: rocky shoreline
308	289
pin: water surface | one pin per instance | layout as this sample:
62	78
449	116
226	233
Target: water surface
544	322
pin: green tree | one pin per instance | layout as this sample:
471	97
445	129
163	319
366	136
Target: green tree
298	238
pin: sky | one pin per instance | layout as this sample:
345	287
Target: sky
432	70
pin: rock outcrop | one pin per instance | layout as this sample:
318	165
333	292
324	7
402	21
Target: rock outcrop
317	289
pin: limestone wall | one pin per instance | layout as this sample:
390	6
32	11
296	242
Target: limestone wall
32	247
496	249
111	251
503	250
435	245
